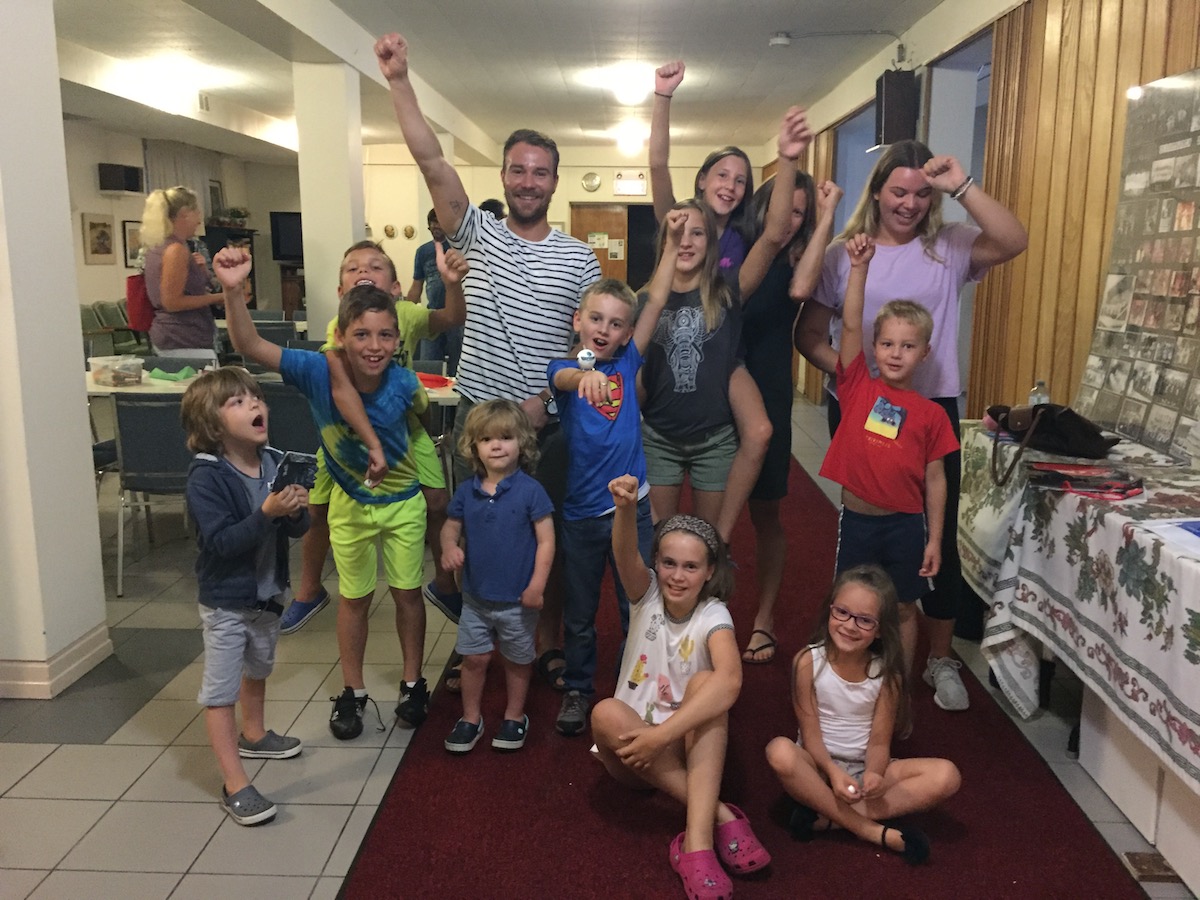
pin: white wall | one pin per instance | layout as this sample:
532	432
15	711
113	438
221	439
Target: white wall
87	146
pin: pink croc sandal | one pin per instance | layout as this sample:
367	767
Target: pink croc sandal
737	846
701	874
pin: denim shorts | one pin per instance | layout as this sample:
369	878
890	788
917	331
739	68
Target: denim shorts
484	626
237	642
707	458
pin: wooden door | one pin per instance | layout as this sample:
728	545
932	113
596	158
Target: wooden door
604	227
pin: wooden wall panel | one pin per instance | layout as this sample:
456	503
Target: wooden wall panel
1060	70
810	379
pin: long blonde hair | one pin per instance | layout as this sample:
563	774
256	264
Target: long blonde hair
162	206
715	295
865	218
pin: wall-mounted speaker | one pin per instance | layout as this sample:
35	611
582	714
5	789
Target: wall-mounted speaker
896	102
115	177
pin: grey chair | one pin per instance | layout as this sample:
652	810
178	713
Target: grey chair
266	315
277	332
301	344
175	363
152	458
290	424
97	339
125	339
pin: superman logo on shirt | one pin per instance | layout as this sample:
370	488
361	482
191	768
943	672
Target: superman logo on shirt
616	391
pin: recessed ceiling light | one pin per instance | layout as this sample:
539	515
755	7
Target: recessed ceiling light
630	82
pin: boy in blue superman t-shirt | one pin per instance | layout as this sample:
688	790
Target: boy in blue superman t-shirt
596	395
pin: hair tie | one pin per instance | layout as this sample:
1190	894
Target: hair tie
698	527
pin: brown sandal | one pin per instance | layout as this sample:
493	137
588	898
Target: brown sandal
750	654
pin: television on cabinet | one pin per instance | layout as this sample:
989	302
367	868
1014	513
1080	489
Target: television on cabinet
287	239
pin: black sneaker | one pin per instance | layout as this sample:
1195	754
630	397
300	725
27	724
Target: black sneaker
414	703
346	723
573	714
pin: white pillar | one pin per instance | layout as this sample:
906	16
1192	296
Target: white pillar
52	616
329	122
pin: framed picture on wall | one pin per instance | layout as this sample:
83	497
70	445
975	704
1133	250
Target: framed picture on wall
99	241
133	241
216	198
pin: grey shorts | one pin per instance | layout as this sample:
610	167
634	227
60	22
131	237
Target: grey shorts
236	643
707	459
484	626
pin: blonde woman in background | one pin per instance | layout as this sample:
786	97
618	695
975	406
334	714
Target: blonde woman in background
177	278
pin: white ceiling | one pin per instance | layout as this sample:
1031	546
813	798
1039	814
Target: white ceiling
503	64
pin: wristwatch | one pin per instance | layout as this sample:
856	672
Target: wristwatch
551	405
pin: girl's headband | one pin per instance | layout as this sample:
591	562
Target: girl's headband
699	528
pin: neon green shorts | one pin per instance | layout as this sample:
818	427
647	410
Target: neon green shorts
355	529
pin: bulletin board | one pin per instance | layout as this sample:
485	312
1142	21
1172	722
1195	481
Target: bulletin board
1142	378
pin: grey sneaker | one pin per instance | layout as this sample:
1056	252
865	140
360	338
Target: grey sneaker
511	735
465	736
949	692
572	715
271	746
247	806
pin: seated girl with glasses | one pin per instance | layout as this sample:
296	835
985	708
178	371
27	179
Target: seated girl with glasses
850	694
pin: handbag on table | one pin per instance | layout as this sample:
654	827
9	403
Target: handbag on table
1050	428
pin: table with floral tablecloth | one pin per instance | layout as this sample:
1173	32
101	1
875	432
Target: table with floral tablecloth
1093	582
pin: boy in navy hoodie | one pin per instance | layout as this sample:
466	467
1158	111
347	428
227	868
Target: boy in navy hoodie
242	569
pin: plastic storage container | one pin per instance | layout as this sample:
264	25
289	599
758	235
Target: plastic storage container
116	371
1039	394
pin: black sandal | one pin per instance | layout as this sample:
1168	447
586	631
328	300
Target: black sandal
553	676
916	844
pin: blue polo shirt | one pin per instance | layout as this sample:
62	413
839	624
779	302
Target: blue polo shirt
500	541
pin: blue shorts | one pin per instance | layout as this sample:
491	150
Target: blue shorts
894	542
236	642
484	626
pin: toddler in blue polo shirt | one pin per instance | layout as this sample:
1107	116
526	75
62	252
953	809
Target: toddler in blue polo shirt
504	518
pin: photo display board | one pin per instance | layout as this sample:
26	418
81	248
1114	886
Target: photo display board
1142	378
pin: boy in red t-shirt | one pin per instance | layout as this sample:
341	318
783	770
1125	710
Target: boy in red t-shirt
887	454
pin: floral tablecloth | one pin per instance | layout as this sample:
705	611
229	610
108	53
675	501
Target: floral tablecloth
1093	583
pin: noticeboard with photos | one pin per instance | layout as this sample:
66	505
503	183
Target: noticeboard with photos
1142	377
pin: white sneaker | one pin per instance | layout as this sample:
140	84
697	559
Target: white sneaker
949	692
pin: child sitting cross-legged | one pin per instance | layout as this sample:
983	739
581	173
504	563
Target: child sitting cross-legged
242	532
504	519
668	724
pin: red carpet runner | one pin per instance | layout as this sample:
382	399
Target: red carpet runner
548	822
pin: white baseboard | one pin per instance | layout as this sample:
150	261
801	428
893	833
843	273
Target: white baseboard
46	679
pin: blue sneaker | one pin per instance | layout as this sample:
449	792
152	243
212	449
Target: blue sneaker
465	736
449	605
511	735
298	613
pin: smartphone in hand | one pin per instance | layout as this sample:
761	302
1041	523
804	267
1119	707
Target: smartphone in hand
295	468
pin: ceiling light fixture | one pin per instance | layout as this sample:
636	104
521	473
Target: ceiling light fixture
785	38
630	82
779	39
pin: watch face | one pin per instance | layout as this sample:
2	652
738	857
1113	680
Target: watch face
551	406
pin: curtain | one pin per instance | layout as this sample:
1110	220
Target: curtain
169	164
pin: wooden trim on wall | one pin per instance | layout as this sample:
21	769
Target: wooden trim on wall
809	379
1056	124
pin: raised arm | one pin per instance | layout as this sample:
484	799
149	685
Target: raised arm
1003	234
453	268
175	263
232	265
659	289
630	566
807	273
666	79
860	249
445	187
794	137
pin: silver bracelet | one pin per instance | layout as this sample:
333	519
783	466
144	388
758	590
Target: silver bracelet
958	192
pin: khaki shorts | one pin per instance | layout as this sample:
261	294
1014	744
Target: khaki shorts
707	459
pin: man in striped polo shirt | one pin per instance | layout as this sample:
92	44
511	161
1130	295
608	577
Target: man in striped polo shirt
522	290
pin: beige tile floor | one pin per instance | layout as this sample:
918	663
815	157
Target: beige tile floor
110	790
